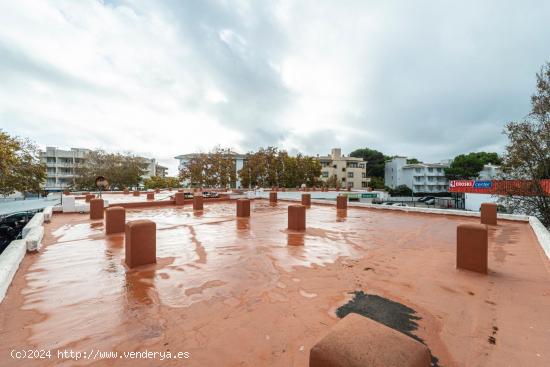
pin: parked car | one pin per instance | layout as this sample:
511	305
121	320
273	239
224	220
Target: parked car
400	204
423	199
387	203
430	201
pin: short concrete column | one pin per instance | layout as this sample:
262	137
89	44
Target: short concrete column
243	208
89	197
140	243
297	217
180	198
471	247
126	191
489	213
341	202
197	202
150	196
66	192
273	197
357	341
306	200
115	219
157	191
136	193
96	209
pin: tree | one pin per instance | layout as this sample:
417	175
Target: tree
213	169
527	155
376	161
413	161
121	170
269	167
20	166
158	182
376	183
401	190
468	166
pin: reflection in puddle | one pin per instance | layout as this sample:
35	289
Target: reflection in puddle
243	223
296	239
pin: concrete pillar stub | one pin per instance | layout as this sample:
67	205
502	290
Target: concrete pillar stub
472	247
180	198
197	202
140	243
115	219
341	202
306	200
96	209
243	208
297	217
488	213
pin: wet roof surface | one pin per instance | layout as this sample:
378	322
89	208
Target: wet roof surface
248	292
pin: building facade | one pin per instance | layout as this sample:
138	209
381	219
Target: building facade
350	172
60	166
161	171
238	160
420	177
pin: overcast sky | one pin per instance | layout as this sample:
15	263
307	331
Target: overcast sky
161	78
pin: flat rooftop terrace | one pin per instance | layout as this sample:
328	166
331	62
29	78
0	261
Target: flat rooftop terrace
248	292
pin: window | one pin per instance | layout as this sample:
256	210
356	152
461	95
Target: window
343	179
417	170
325	173
364	174
350	184
364	184
350	174
343	169
352	164
430	169
361	165
439	170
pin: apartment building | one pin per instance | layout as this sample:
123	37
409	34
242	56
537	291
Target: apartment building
161	171
60	166
350	172
420	177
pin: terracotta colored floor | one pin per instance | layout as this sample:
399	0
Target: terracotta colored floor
238	292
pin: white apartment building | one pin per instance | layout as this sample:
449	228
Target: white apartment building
420	177
60	165
350	172
238	160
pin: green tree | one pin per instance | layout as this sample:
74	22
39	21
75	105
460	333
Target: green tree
468	166
376	183
269	167
121	170
158	182
376	161
401	190
527	155
413	161
20	167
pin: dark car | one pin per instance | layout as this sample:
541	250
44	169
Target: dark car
11	226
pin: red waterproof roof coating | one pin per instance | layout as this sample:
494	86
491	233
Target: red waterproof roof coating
248	292
497	187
